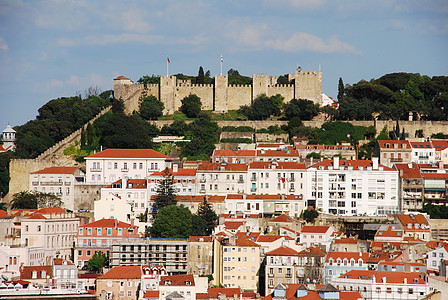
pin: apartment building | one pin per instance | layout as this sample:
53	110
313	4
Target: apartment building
99	236
234	156
274	177
423	152
49	232
221	178
338	263
108	166
280	267
435	257
317	236
383	285
121	282
241	262
184	180
352	187
200	255
171	253
410	187
278	155
59	181
393	151
415	226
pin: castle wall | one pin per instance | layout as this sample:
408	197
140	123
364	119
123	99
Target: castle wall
221	93
86	195
203	91
286	90
260	83
308	85
238	95
167	94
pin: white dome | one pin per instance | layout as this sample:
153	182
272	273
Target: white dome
9	129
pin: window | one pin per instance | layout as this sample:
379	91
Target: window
330	272
115	165
134	166
129	292
39	228
79	252
125	166
140	166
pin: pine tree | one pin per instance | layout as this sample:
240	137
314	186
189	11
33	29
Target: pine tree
200	78
166	193
206	212
340	89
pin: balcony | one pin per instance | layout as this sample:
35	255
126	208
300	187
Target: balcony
96	169
202	191
124	169
53	183
35	182
271	274
292	179
253	189
240	180
202	180
253	178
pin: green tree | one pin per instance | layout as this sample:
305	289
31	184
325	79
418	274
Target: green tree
98	261
206	212
172	221
262	108
340	89
151	108
25	200
149	79
5	159
201	78
177	128
198	226
304	109
191	106
310	214
166	192
283	79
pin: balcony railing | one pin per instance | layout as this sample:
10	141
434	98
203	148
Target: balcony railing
271	274
240	180
50	183
124	169
95	169
253	189
253	178
202	180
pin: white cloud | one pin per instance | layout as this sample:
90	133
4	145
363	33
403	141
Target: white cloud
302	41
3	44
73	80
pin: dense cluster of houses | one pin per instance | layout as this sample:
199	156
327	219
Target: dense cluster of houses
260	248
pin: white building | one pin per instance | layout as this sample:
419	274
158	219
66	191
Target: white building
383	285
49	232
282	178
221	179
184	180
124	200
110	165
352	187
423	152
317	236
8	139
59	181
435	257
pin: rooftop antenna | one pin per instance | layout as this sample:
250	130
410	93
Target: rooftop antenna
221	63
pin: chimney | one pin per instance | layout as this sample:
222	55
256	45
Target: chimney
175	168
124	182
336	162
375	163
384	280
441	165
115	223
132	222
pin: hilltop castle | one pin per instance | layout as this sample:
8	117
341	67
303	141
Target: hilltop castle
220	96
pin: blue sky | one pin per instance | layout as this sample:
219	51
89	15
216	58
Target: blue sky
51	49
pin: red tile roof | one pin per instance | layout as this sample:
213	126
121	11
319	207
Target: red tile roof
200	238
399	277
282	251
180	173
409	171
51	210
151	294
346	241
389	232
267	238
232	153
128	153
315	229
27	272
312	251
123	272
3	214
278	153
107	223
234	196
135	184
56	170
36	217
229	292
284	165
356	164
283	219
233	225
178	280
246	242
121	78
413	222
208	166
435	175
400	143
347	255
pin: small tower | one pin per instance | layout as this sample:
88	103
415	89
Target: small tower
9	138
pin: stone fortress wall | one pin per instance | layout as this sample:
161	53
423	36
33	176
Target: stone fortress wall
220	96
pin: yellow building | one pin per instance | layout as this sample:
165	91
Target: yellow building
241	263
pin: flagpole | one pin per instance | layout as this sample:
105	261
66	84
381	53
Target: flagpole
167	63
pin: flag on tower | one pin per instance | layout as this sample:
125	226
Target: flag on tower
168	60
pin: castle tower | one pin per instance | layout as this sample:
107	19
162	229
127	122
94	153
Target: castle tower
9	138
120	87
260	83
308	85
220	93
167	94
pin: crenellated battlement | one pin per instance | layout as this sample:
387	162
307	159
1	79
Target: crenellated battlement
220	96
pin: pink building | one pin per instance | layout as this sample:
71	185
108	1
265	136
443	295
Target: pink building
99	236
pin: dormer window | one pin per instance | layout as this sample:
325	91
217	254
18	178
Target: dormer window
167	282
188	282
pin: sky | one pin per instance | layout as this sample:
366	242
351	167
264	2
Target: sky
55	48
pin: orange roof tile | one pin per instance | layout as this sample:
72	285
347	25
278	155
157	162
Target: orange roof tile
3	214
282	251
409	171
312	251
123	272
346	241
107	223
246	242
128	153
232	153
233	225
178	280
151	294
56	170
315	229
400	143
414	220
51	210
36	217
389	232
180	173
121	78
267	238
283	219
347	255
278	153
435	175
27	272
229	292
200	238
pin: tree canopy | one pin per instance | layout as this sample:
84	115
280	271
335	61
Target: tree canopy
191	106
166	192
206	213
263	107
172	222
151	108
98	261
